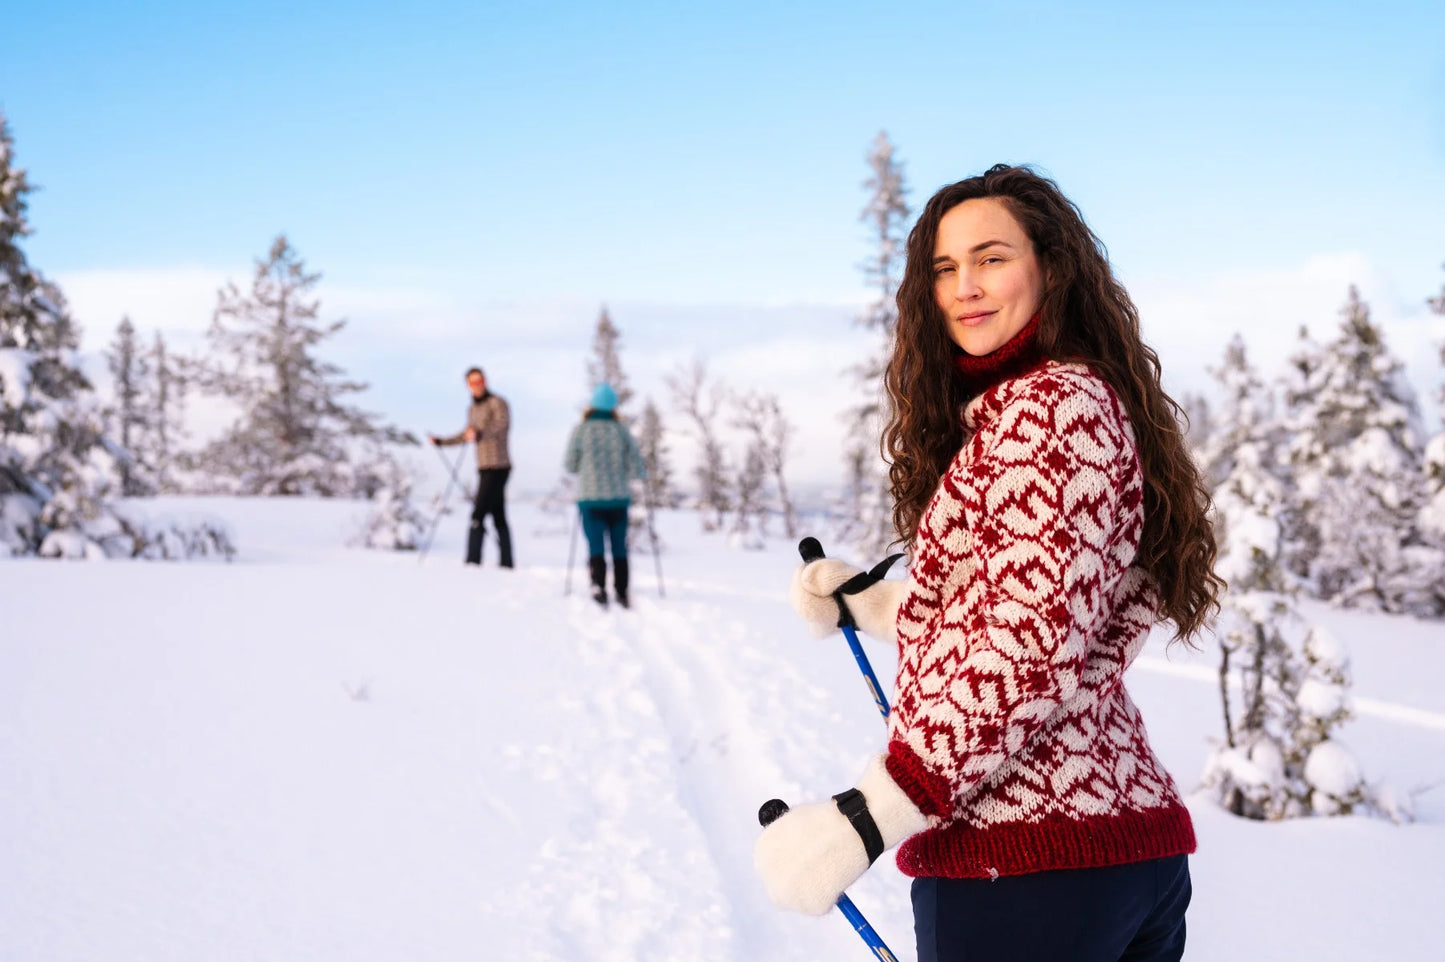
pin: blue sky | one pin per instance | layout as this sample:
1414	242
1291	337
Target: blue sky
504	166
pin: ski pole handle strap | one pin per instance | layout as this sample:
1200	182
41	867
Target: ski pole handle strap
812	550
864	580
855	808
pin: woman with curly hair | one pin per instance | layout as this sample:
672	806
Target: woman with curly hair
1053	515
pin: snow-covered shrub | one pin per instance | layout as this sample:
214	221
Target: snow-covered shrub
180	539
1281	757
394	523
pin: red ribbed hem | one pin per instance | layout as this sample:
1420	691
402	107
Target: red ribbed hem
1057	842
931	793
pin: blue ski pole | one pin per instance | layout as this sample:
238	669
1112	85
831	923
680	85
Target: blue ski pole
775	808
812	550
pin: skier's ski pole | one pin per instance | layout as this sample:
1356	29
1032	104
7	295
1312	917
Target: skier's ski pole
774	809
652	536
442	508
811	550
571	553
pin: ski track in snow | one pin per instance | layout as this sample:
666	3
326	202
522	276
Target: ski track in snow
666	741
629	895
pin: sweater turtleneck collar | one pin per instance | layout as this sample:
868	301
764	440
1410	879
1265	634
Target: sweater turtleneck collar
1015	356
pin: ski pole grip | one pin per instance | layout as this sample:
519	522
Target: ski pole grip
772	810
810	549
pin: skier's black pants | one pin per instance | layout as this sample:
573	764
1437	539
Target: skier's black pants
1121	913
491	500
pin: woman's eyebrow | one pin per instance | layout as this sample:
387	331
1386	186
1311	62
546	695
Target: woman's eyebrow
976	248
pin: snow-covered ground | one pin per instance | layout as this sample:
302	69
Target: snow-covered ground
323	753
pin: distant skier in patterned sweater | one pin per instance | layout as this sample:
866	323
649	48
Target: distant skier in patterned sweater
489	419
1054	515
604	456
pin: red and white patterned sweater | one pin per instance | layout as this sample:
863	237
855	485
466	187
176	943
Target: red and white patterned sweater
1012	730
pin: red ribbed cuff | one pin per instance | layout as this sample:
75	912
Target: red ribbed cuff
930	792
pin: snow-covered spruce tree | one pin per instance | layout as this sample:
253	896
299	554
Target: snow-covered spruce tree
1298	389
1198	420
1432	514
1242	461
658	489
54	466
1355	460
295	434
699	402
159	447
761	417
605	364
128	371
867	508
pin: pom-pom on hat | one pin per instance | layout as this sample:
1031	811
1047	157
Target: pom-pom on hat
604	398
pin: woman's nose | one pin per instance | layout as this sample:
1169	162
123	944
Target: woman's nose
966	288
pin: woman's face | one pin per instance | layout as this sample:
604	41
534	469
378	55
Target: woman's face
986	278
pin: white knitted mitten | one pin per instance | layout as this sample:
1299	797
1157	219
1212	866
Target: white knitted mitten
809	857
875	608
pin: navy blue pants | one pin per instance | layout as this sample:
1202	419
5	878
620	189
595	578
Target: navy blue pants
1121	913
611	522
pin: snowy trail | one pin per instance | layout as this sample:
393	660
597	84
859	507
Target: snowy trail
675	723
635	868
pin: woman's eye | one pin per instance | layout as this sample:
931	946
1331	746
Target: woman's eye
940	271
992	260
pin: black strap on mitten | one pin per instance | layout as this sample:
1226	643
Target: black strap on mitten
859	583
855	808
811	550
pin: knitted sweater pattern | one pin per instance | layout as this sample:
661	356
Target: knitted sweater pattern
491	418
603	455
1013	731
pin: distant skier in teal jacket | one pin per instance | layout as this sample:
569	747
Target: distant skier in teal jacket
604	456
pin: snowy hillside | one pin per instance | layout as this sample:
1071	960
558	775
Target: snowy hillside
322	753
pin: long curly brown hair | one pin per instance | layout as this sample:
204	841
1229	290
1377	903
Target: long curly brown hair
1086	316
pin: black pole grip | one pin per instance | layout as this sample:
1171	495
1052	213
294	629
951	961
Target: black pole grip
810	549
773	809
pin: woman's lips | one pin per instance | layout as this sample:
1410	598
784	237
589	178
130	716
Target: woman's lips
976	318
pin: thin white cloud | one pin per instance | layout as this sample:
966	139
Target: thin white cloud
167	299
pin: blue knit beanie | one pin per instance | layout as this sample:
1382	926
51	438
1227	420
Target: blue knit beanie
604	398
